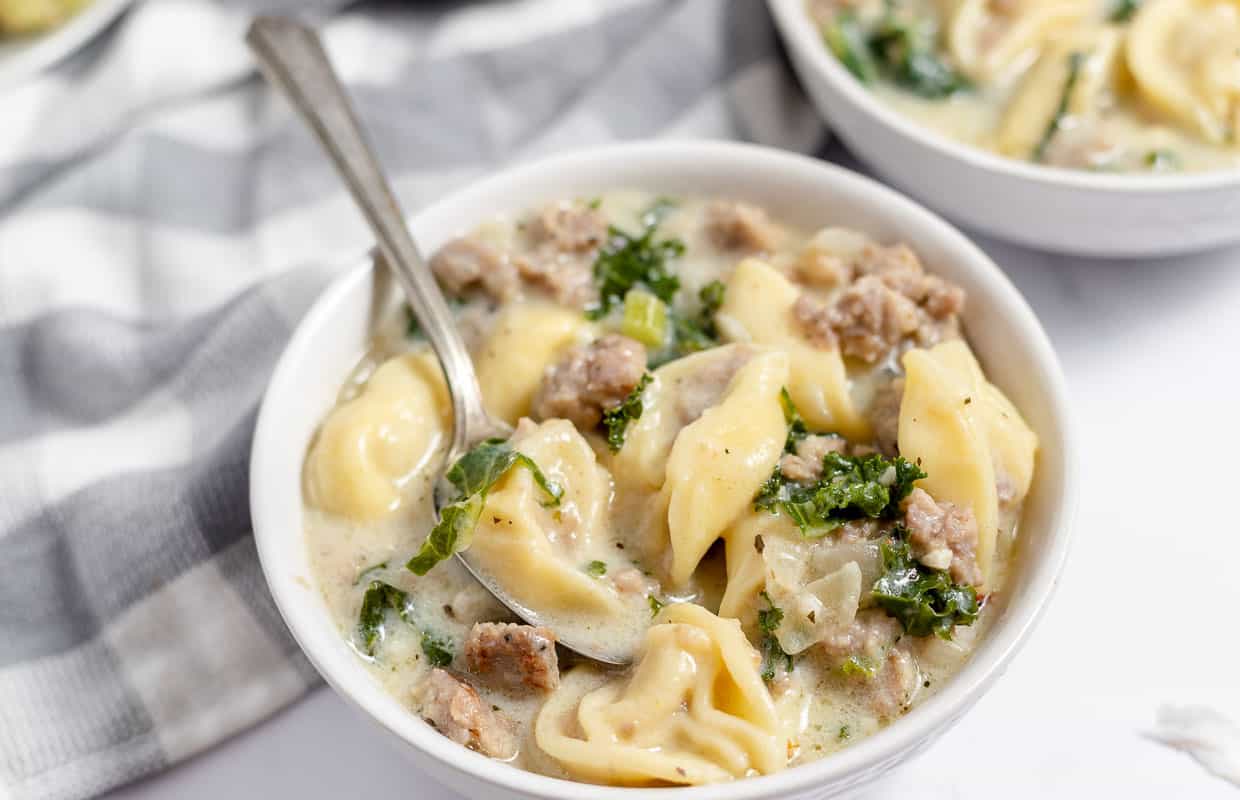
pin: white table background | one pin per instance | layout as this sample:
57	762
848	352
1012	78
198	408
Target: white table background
1144	615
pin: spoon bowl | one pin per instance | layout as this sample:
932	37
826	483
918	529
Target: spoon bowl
293	60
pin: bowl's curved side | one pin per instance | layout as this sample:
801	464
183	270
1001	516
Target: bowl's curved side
332	336
1050	209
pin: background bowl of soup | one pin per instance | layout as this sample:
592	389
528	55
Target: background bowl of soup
1001	327
1088	212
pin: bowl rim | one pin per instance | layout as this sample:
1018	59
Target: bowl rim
797	28
308	621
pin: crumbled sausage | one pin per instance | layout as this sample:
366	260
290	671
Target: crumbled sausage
454	708
943	536
869	318
869	636
590	380
569	228
468	262
892	297
884	415
805	465
630	581
513	656
892	689
740	226
567	278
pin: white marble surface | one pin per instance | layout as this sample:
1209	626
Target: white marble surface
1143	617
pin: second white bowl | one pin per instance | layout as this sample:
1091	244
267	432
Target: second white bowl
1047	208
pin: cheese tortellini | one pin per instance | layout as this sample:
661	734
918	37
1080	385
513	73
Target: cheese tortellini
968	437
986	38
372	445
758	307
695	711
524	340
1185	57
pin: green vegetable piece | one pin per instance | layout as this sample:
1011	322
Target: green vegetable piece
924	600
378	599
626	261
906	51
1076	61
1124	10
617	419
693	333
792	418
596	568
645	318
845	734
473	476
412	329
858	667
656	605
772	653
1162	160
846	38
438	650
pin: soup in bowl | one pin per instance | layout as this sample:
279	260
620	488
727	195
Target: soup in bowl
786	439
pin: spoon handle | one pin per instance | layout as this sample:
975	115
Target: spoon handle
292	58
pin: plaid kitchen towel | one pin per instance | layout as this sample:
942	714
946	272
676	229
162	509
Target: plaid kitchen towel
163	224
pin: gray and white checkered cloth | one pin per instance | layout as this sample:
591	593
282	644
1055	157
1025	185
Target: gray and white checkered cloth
164	222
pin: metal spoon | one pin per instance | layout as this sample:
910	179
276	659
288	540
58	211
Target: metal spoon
292	59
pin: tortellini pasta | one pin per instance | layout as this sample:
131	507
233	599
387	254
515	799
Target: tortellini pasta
536	552
986	38
718	462
525	339
1185	57
967	436
372	445
695	711
1081	65
758	307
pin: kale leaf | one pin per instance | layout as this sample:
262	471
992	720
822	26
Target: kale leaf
373	568
846	38
905	49
1124	10
924	600
772	652
692	333
438	650
617	419
656	605
596	569
1076	62
792	418
473	476
625	261
378	599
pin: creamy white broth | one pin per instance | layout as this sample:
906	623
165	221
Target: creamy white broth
659	542
1150	93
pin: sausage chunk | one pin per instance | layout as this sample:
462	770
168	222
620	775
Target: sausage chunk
890	297
869	637
805	465
892	689
943	536
884	414
467	262
590	380
569	228
454	708
513	656
740	226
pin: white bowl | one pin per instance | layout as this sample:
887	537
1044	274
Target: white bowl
23	57
1071	211
327	344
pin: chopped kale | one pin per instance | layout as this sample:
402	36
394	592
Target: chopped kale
1076	62
625	261
772	653
437	649
845	734
924	600
1163	160
617	419
858	667
846	38
596	568
412	329
851	487
379	598
656	605
692	333
1124	10
792	418
905	50
473	476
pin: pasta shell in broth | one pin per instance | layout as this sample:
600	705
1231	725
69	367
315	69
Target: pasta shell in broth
989	38
1185	58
